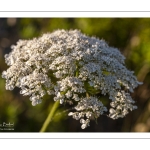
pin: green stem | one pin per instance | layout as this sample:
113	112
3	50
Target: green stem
49	118
87	95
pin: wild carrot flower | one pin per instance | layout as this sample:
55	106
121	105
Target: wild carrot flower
75	69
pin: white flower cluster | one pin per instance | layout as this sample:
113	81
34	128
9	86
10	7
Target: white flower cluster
70	66
89	107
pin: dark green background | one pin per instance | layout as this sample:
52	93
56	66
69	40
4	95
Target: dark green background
130	35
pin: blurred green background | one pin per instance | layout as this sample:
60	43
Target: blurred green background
130	35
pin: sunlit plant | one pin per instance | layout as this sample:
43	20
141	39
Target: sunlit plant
75	69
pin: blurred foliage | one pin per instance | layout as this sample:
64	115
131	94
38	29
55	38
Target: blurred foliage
130	35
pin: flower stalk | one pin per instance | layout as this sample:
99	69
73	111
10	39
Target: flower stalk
50	116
